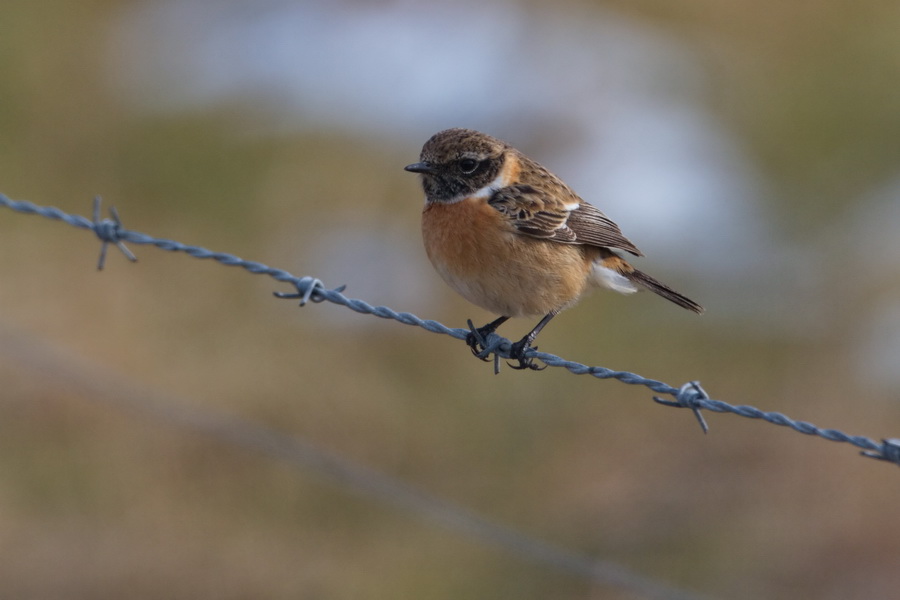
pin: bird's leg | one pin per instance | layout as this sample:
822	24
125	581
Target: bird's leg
518	349
475	338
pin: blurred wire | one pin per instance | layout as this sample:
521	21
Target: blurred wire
99	384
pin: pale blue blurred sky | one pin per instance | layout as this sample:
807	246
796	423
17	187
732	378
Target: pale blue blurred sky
620	107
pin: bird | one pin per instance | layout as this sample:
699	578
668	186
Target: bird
512	238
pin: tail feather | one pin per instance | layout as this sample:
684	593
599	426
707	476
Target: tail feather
663	290
616	273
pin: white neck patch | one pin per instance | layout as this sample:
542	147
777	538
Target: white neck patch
489	190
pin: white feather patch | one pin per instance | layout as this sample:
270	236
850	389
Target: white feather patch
610	279
489	190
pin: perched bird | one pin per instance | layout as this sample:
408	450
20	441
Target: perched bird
511	237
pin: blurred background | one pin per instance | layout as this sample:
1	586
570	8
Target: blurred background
750	149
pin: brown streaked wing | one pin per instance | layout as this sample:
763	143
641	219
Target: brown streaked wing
531	213
594	228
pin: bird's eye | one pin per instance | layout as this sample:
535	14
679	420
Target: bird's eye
468	165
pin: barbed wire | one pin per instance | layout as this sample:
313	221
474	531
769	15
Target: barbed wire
690	395
100	384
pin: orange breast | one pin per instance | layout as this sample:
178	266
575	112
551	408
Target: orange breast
481	256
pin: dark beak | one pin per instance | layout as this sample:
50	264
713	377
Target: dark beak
419	167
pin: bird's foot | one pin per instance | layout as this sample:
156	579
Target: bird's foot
475	340
517	352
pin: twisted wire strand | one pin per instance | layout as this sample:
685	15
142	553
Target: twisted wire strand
689	395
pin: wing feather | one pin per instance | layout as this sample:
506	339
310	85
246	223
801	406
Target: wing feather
537	213
596	229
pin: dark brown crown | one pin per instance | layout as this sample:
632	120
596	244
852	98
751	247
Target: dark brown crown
458	162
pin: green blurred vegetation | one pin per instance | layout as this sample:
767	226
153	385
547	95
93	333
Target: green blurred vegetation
95	503
810	87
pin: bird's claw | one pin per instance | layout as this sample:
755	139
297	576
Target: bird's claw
475	341
477	347
517	352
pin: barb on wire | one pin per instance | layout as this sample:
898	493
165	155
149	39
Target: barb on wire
308	288
690	395
889	451
488	348
108	230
